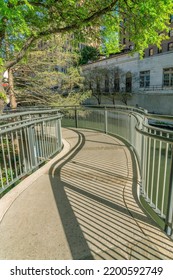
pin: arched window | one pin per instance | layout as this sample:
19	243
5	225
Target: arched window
171	33
106	83
170	46
116	82
131	47
128	82
97	85
151	52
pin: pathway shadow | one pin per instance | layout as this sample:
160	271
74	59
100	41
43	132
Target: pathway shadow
74	234
102	219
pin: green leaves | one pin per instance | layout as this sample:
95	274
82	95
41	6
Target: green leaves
3	96
51	73
88	53
140	21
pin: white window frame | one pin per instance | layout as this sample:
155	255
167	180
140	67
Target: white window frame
144	79
168	77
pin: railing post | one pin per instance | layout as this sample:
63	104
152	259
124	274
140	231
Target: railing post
76	118
32	146
143	165
59	134
169	216
106	120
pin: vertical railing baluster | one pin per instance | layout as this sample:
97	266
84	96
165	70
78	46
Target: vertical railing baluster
59	134
158	174
4	160
9	159
148	169
169	216
105	120
164	179
24	144
76	117
153	168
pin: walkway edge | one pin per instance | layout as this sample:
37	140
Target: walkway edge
7	200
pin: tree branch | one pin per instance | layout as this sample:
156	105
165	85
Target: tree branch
22	52
74	26
55	30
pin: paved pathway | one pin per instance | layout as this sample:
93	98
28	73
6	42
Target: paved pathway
83	207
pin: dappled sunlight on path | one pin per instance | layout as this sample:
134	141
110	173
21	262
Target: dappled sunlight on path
100	184
84	207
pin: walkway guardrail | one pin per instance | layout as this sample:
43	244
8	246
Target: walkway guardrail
27	140
152	144
156	88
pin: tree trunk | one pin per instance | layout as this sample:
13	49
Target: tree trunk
1	92
1	106
13	103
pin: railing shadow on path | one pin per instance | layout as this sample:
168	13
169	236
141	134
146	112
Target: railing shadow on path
97	201
70	224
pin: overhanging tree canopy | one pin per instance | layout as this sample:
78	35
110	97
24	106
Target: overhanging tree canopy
50	75
24	21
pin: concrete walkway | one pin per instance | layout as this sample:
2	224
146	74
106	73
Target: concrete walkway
82	205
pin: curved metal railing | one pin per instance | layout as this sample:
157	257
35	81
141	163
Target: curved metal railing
27	140
152	145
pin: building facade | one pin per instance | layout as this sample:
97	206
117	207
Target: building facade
148	81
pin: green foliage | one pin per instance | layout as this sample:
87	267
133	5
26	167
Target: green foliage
73	99
147	22
3	96
22	22
50	74
143	22
88	53
110	33
9	160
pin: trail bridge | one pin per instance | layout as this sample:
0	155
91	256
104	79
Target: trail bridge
105	191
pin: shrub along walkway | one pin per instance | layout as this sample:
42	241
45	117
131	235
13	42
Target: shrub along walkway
84	206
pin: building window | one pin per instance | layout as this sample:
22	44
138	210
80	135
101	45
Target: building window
159	50
116	82
171	33
106	83
131	47
98	86
151	52
168	77
170	46
128	82
171	18
145	79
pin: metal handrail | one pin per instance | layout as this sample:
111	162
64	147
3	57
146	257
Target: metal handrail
26	143
28	113
153	147
38	138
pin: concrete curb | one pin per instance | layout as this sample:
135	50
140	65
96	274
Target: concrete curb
7	200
